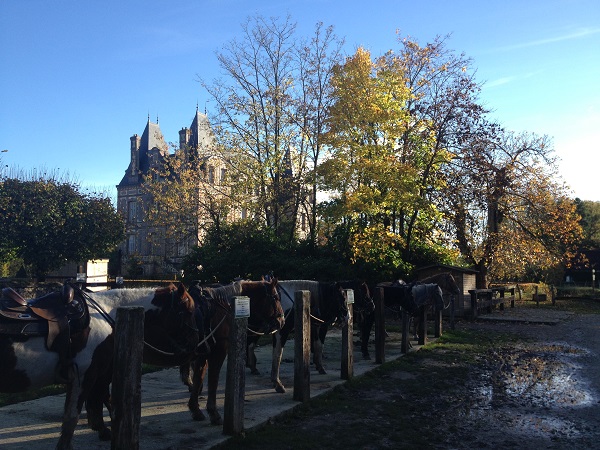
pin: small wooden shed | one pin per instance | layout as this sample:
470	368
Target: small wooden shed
464	277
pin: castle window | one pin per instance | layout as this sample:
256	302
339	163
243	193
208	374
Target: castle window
223	175
131	244
211	175
303	222
244	213
132	212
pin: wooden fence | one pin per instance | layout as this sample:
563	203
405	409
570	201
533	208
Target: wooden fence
487	299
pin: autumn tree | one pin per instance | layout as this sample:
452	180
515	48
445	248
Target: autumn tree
47	222
508	210
368	176
409	105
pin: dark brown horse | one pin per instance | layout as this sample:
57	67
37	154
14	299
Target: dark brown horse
215	306
170	335
327	306
413	298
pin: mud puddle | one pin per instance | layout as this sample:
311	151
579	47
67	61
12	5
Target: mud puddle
529	388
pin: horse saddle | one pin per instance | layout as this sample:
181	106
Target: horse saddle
57	314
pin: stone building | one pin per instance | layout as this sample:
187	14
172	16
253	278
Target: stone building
146	251
142	250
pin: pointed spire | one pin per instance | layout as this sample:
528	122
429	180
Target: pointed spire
157	119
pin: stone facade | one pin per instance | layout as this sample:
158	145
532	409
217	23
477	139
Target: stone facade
148	153
142	251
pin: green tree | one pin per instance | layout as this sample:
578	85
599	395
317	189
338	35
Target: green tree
381	157
590	222
47	222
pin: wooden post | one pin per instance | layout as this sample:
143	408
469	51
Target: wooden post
380	328
473	293
235	385
302	346
423	333
537	299
405	344
126	393
437	332
347	358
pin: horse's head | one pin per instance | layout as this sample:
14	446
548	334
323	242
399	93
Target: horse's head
265	304
363	301
365	298
450	284
172	326
337	305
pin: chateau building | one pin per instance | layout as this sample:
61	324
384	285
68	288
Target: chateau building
147	250
142	252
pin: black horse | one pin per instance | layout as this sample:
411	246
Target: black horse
327	306
412	298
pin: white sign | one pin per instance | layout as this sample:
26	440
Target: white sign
349	296
80	278
242	307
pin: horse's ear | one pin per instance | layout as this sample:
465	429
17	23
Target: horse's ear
181	289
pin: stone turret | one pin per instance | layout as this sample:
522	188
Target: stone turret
134	166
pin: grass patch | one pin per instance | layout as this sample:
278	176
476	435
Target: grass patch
18	397
392	406
579	305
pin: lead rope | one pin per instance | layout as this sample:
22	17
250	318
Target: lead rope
315	318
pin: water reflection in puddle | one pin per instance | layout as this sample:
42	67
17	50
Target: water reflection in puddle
528	384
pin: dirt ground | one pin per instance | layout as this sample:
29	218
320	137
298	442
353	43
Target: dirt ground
540	390
543	393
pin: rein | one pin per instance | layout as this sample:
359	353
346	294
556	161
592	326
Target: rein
275	299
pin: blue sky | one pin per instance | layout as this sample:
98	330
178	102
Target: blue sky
78	78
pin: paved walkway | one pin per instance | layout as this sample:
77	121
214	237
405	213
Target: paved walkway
166	422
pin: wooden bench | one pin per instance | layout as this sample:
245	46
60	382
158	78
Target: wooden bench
488	299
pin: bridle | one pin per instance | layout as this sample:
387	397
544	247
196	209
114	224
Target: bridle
274	298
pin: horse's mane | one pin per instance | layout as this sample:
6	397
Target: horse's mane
223	294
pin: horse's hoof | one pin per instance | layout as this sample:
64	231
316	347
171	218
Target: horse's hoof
254	372
105	434
322	371
215	419
198	416
280	389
